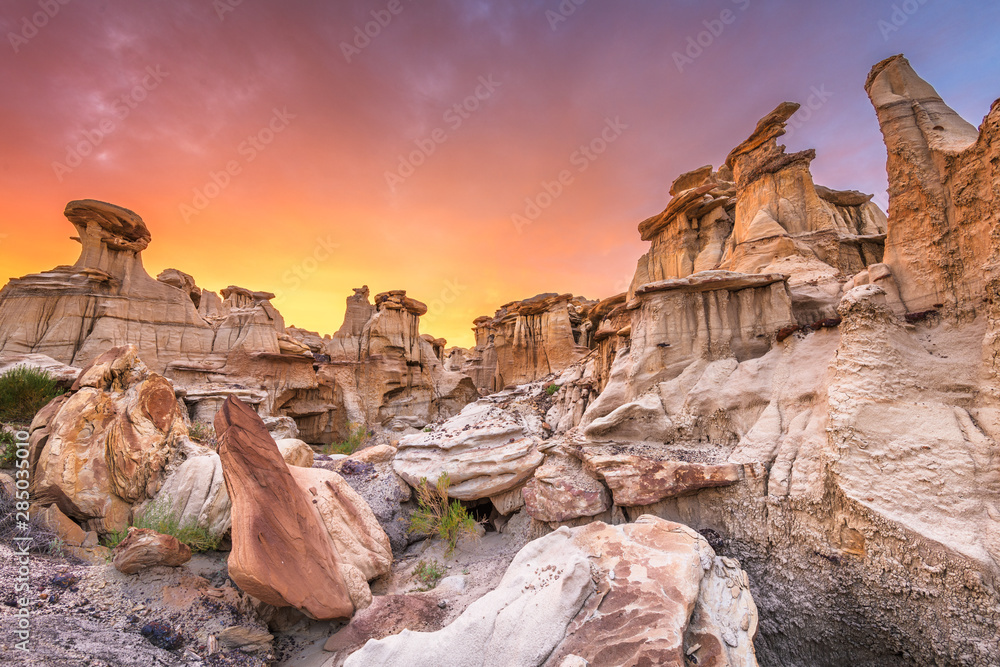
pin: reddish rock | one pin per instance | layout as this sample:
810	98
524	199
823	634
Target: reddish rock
561	491
387	615
637	481
281	553
144	548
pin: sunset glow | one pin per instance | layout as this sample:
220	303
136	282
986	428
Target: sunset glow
471	153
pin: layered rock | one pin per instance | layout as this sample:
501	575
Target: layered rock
942	194
489	448
106	299
858	447
63	374
281	553
377	368
596	595
527	340
382	371
143	548
761	213
105	446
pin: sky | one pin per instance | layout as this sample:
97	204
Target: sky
470	152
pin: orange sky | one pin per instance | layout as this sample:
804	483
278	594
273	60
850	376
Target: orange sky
161	96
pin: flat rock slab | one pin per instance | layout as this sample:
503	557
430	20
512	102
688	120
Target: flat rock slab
638	480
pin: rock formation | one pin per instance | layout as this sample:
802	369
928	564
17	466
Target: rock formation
105	446
761	213
775	352
940	184
649	592
281	554
527	340
144	548
489	448
301	536
810	385
376	369
75	313
379	370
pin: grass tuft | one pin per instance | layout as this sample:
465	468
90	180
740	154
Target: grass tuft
437	515
357	436
428	573
24	390
159	516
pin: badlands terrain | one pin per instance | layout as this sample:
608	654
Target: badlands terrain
778	447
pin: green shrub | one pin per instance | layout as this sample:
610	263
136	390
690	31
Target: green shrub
25	390
437	515
357	435
203	433
551	389
159	516
114	538
428	573
8	449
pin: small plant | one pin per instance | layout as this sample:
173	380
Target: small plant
436	514
159	516
428	573
428	429
551	389
8	449
56	547
25	390
203	433
113	538
357	435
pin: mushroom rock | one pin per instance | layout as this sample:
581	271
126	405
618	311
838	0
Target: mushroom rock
382	370
106	299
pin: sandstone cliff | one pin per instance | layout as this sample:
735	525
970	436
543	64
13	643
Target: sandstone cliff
376	369
527	340
809	384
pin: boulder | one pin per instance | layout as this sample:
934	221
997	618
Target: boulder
561	490
281	553
144	548
650	592
387	615
385	492
196	493
106	445
488	448
65	528
295	452
352	527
